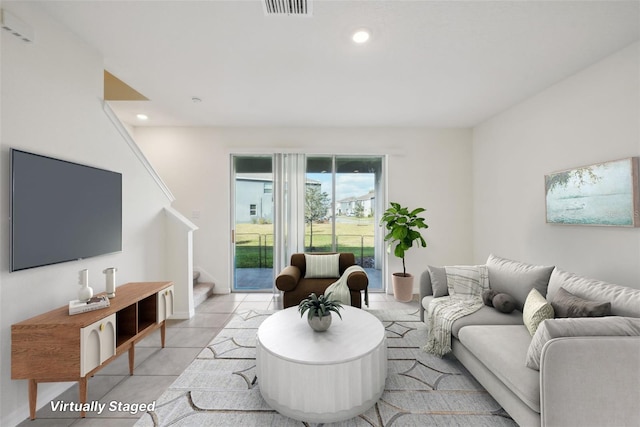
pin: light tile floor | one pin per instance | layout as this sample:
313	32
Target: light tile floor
156	368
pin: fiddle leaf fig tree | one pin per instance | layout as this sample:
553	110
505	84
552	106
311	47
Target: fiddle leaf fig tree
402	228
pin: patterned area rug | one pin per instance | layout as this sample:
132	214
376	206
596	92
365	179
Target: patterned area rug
220	387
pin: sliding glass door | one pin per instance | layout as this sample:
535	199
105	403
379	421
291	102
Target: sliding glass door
344	199
288	203
253	227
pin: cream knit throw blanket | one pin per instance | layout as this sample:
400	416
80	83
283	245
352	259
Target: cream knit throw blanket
465	284
339	289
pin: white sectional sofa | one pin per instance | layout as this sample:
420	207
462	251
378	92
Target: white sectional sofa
589	368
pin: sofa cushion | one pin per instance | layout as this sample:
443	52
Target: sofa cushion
624	301
484	316
517	278
501	348
536	309
566	304
438	277
322	266
579	327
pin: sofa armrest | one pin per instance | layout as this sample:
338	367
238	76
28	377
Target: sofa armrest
425	290
590	381
288	278
357	281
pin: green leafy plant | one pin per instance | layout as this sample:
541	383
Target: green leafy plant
402	229
319	306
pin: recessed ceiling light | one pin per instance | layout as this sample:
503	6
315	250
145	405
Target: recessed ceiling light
361	36
142	116
195	99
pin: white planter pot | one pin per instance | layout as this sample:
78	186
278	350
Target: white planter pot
402	287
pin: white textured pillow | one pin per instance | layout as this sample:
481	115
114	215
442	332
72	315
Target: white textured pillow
322	266
579	327
536	309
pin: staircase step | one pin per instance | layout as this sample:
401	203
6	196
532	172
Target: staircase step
202	291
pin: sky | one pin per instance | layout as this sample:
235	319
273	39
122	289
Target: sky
347	184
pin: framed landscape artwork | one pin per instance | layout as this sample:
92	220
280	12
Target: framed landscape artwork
600	194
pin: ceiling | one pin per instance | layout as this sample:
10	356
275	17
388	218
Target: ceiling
428	63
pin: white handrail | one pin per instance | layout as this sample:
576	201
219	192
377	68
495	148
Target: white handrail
136	150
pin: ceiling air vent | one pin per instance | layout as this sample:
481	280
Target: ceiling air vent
287	7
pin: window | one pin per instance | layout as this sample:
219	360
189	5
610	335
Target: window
268	187
252	210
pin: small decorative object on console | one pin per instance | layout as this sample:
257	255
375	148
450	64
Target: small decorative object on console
319	310
85	293
94	303
111	281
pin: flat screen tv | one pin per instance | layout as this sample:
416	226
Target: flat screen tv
62	211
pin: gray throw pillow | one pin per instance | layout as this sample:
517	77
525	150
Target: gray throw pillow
504	303
566	304
487	297
578	327
438	281
517	278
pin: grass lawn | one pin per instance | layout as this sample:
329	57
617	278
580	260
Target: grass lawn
254	242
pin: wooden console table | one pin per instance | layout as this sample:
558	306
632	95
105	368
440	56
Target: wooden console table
57	347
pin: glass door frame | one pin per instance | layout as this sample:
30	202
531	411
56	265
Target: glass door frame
233	223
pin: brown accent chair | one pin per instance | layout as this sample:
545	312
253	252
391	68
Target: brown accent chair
295	287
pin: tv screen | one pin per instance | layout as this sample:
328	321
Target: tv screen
62	211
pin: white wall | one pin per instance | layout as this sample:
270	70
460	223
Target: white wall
428	168
591	117
50	99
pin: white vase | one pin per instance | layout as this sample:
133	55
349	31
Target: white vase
85	293
320	324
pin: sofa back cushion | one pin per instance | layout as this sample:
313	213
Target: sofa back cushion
517	278
624	301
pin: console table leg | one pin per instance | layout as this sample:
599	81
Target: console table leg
132	358
82	386
33	398
163	332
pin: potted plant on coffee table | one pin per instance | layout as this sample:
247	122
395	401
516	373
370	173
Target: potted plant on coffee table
319	310
402	227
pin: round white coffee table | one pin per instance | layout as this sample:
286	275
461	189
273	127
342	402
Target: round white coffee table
321	377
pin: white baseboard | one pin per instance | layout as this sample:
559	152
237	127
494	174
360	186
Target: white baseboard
183	314
45	396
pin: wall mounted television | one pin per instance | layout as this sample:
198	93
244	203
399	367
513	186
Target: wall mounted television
62	211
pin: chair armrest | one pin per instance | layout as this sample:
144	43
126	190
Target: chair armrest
590	381
425	290
288	278
357	281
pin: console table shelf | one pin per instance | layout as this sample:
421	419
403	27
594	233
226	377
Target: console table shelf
57	347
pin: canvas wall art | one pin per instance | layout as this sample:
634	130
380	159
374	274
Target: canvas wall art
599	194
